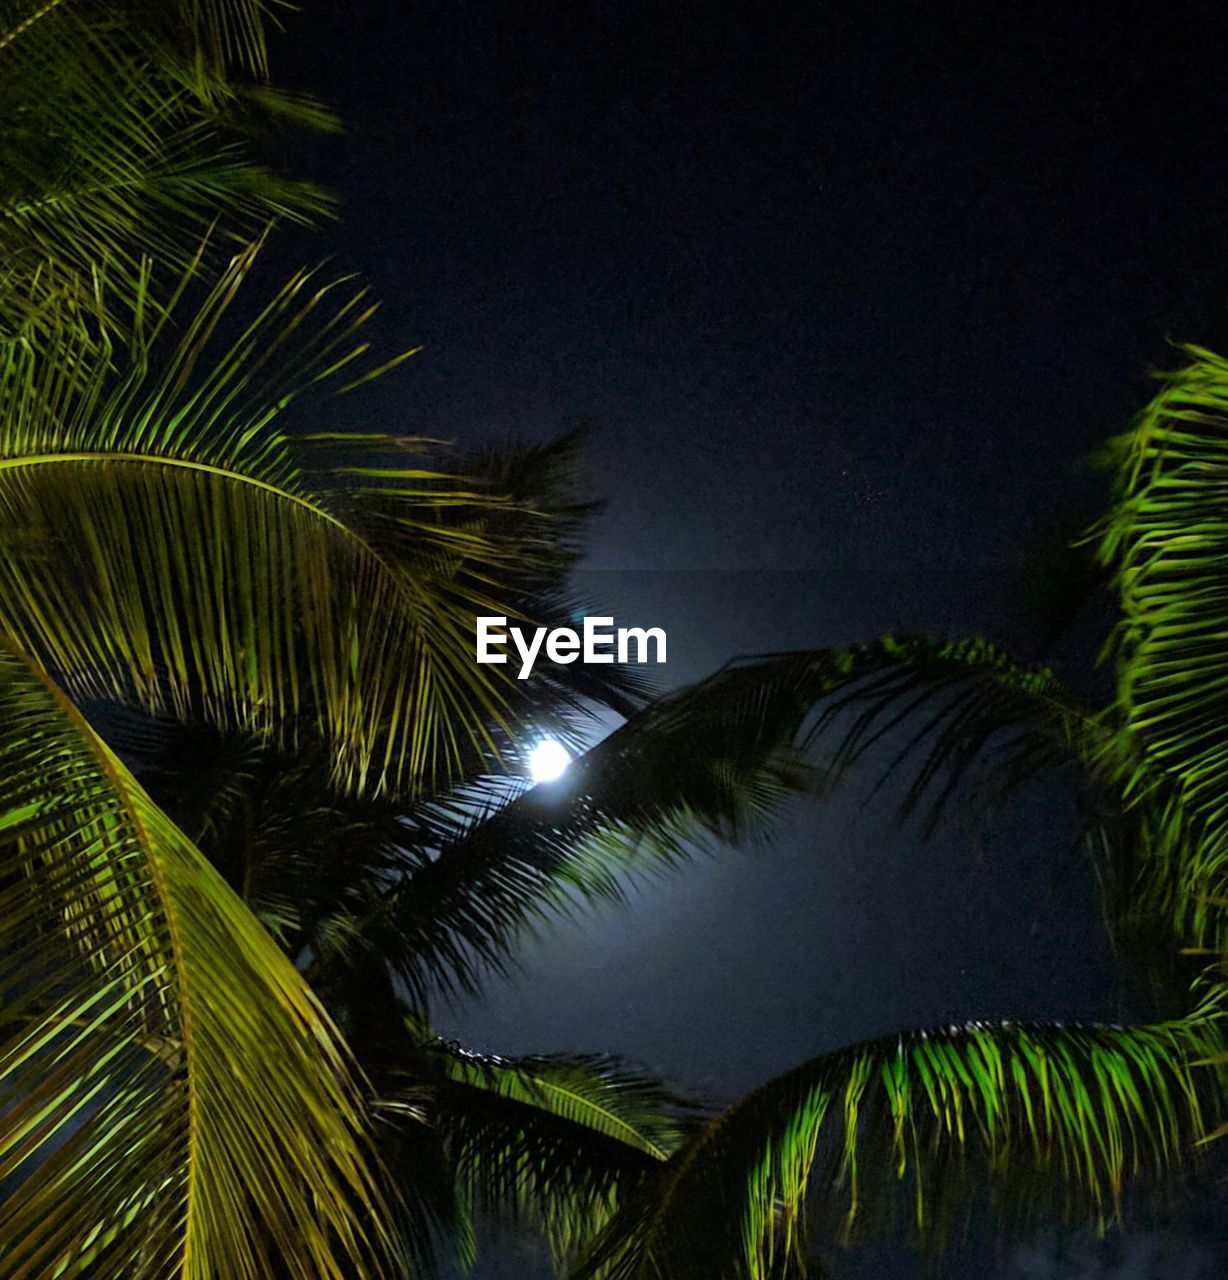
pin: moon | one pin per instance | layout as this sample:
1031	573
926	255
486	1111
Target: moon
548	760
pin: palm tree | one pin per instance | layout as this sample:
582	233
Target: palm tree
623	1178
250	778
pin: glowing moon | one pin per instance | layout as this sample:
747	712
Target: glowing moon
548	760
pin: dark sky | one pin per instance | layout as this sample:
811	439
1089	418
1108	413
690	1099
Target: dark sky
848	290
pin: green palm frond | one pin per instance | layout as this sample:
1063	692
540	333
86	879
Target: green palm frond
1166	538
140	148
164	543
1092	1108
556	1142
217	38
225	34
173	1101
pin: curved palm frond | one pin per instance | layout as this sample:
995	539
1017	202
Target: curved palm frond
709	765
142	146
1166	538
1090	1107
538	527
964	710
962	718
555	1141
167	1081
442	889
687	773
165	545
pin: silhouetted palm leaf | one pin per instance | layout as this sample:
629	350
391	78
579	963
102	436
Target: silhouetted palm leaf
710	765
950	712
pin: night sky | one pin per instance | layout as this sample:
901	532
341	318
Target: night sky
847	292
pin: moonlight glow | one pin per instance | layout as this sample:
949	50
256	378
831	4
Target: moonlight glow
547	760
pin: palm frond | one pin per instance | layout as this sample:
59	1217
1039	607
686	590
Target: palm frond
539	529
165	545
167	1081
712	764
1165	539
138	150
547	521
225	34
555	1142
949	713
1092	1108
